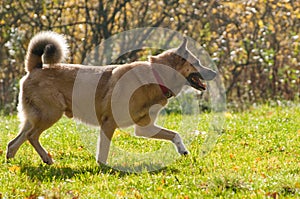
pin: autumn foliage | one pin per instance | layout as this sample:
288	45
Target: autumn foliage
255	44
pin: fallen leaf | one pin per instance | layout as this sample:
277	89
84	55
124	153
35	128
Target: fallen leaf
274	195
33	196
137	194
120	193
49	154
236	168
258	159
14	169
263	175
269	114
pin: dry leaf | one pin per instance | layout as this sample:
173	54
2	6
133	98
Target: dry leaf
14	169
274	195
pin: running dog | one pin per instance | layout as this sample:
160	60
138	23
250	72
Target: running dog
124	95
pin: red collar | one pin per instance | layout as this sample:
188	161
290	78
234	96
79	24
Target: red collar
167	92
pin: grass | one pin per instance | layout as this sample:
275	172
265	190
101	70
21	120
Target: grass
257	156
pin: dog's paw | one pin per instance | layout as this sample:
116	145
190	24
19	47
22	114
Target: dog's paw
49	162
183	152
9	156
8	160
103	165
179	145
47	159
10	151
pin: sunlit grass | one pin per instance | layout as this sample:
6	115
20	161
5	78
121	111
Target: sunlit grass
257	156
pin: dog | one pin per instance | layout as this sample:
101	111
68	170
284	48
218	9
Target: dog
47	93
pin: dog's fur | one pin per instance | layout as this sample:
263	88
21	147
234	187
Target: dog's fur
46	93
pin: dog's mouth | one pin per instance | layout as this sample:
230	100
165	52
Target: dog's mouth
195	81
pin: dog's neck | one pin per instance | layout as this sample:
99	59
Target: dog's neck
167	92
169	80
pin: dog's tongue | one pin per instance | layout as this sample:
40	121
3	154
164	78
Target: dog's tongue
198	81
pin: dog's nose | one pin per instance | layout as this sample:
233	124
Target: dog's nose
207	74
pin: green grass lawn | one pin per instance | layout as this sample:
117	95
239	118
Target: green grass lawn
257	156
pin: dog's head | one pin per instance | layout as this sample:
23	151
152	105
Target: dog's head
183	61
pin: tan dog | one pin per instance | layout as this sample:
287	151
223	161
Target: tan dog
47	92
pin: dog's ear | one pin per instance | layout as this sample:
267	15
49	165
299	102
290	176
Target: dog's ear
182	49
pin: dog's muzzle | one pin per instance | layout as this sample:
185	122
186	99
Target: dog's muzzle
195	81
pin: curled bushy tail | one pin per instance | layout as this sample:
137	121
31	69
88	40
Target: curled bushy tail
45	47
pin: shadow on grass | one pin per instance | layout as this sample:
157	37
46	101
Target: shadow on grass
52	173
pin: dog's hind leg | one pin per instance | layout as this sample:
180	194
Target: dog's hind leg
33	138
31	130
107	130
44	122
15	144
153	131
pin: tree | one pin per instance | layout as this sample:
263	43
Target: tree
255	45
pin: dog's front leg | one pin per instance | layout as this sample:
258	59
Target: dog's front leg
157	132
104	140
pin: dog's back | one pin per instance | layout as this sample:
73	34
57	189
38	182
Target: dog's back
47	91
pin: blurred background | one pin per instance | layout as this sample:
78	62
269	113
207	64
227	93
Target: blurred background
255	43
